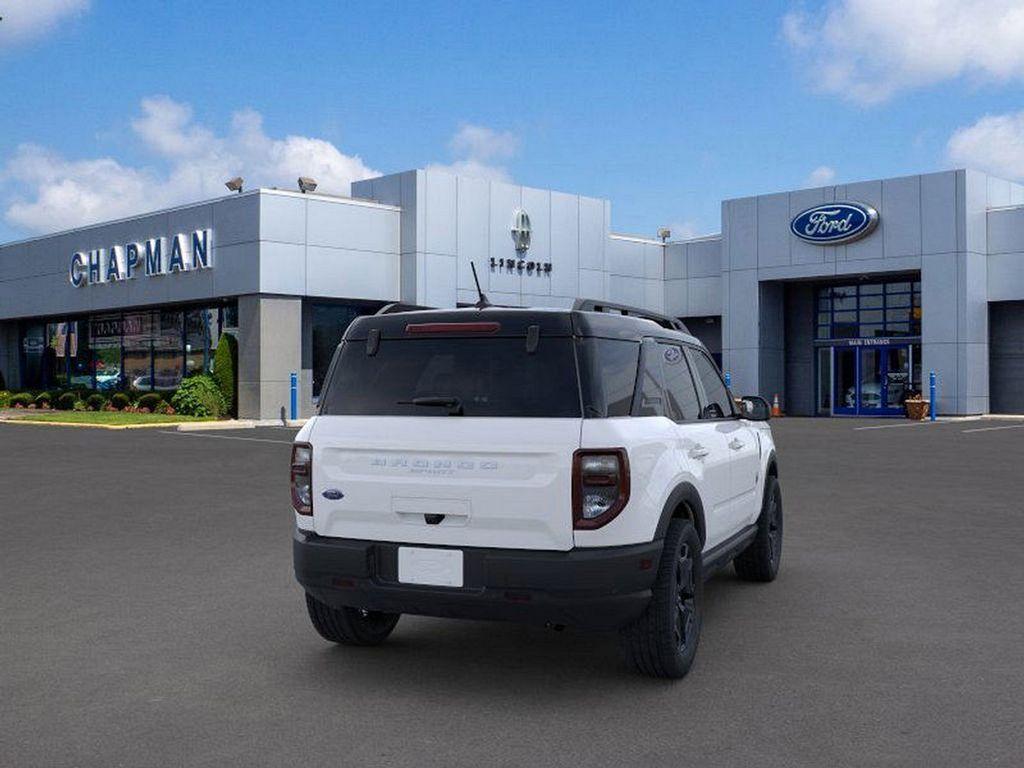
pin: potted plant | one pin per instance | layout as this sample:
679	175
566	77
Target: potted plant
916	406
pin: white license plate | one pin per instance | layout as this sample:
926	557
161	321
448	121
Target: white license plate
437	567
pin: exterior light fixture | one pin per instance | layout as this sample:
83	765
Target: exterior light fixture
664	233
306	184
235	184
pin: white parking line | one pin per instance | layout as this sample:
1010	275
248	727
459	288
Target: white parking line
893	426
225	437
992	429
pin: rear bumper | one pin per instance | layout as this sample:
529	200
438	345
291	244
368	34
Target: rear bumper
599	588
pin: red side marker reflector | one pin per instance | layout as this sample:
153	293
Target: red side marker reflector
646	564
453	327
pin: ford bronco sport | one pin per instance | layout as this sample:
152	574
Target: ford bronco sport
558	467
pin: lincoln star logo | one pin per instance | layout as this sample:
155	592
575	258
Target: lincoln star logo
521	231
835	223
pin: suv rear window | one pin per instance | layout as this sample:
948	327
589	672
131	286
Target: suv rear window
488	377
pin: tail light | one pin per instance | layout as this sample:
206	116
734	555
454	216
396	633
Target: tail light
302	478
600	486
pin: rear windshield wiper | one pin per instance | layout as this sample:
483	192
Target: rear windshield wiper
453	404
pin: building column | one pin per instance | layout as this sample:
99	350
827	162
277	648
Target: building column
269	350
954	302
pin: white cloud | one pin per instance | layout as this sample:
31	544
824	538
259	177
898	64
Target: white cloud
820	176
25	20
479	151
994	143
868	50
48	192
685	230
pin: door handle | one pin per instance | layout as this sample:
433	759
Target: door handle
698	452
736	443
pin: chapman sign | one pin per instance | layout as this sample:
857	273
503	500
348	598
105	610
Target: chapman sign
834	223
156	256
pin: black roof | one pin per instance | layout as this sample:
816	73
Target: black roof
515	322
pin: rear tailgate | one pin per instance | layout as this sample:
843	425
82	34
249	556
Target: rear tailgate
450	427
457	481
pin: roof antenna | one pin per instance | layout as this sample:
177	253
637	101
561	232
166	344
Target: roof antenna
482	303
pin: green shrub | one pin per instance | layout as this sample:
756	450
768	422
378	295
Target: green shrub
225	371
150	400
43	399
5	398
80	405
66	402
24	399
199	396
120	401
96	402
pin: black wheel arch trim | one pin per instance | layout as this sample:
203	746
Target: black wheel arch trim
684	493
772	464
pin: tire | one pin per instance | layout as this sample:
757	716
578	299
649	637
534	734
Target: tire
760	560
663	641
350	626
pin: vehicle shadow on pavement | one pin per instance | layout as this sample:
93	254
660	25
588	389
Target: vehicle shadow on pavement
426	654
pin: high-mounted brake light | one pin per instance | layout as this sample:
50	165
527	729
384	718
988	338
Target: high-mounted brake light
453	327
302	478
600	486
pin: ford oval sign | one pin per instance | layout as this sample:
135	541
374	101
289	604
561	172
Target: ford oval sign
834	223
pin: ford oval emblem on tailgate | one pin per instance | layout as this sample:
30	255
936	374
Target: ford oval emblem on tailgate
333	494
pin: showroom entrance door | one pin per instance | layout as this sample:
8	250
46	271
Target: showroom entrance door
870	379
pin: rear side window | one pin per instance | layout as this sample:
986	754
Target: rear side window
683	404
608	373
718	404
651	387
487	376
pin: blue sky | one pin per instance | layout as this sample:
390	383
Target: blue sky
109	108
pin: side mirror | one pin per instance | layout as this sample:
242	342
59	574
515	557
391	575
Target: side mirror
754	408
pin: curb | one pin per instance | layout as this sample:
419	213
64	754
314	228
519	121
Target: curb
163	424
201	426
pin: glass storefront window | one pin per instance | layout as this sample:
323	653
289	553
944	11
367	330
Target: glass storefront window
80	355
137	343
200	340
871	316
168	355
142	350
55	363
869	310
329	322
105	341
33	345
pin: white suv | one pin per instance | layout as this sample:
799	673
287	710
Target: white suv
558	467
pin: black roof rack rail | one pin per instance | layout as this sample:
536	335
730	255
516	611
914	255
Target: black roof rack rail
398	306
594	305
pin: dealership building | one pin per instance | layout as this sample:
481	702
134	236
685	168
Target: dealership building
839	299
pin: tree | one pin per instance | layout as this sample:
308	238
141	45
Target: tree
225	371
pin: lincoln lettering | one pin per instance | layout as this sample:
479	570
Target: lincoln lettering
182	252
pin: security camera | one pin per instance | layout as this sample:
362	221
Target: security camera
235	184
306	184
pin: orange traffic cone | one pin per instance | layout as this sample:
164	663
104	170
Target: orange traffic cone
776	410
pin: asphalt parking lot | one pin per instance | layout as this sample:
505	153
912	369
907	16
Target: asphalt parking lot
149	617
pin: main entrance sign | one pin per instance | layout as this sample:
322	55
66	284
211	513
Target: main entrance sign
156	256
834	223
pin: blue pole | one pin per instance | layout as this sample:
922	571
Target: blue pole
931	395
295	395
728	380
